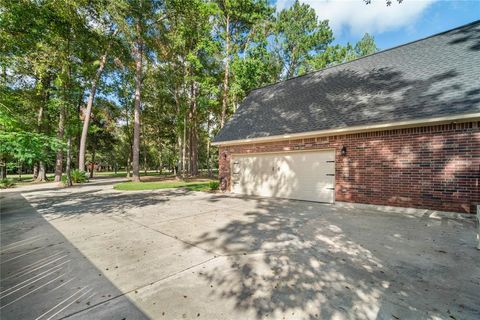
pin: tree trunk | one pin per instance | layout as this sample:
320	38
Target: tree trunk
39	118
177	168
59	160
4	74
129	138
160	147
225	79
35	171
145	158
92	165
235	104
88	111
160	164
20	171
69	161
128	165
193	150
292	65
78	135
3	169
209	164
138	54
184	149
193	131
42	172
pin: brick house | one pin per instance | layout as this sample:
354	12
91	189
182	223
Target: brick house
400	127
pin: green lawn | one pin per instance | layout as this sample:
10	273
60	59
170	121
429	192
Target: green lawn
27	179
123	174
189	185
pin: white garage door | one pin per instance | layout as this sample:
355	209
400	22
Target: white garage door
294	175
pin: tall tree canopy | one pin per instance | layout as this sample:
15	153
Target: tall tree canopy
300	35
140	84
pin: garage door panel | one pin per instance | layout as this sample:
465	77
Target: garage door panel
302	175
254	177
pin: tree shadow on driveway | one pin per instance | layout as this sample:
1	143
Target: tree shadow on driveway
44	276
99	201
303	260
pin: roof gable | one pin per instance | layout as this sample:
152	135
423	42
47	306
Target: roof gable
433	77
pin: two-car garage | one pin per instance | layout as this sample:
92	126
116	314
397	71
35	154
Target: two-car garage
306	175
402	137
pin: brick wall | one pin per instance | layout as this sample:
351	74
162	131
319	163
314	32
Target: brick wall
434	167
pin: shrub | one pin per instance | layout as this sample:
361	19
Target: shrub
64	179
6	183
77	177
214	185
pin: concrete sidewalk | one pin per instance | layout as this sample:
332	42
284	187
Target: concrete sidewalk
174	254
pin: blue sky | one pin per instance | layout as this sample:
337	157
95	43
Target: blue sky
393	25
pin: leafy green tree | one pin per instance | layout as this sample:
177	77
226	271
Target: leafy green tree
97	69
365	46
137	21
102	133
44	45
93	90
340	54
235	20
300	36
19	143
258	65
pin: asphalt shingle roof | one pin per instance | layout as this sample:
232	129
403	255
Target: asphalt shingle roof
433	77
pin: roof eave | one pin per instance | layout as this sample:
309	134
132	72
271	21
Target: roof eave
356	129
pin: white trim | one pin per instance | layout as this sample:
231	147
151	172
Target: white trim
355	129
280	152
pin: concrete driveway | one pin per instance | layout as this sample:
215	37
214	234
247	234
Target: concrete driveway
91	252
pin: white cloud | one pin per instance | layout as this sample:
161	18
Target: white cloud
357	17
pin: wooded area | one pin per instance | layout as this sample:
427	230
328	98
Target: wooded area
142	84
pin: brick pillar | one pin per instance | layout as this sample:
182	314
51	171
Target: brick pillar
224	168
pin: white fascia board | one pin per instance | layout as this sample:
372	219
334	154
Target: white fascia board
356	129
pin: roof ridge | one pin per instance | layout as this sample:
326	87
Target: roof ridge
369	55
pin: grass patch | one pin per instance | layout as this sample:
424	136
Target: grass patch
28	177
123	174
6	183
189	185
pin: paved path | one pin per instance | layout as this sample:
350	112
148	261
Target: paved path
91	252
